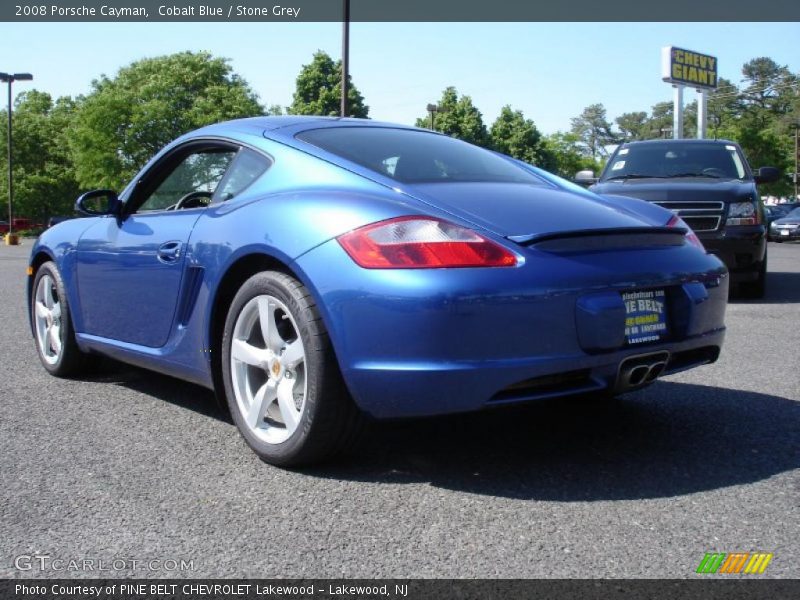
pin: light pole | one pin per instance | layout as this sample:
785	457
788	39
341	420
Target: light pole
796	159
433	109
345	53
11	78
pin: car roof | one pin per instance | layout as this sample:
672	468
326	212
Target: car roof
681	140
285	126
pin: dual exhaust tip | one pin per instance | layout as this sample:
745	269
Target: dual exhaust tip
638	371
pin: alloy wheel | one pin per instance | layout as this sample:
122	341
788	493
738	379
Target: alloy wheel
47	319
268	369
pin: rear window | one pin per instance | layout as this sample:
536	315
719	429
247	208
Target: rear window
412	156
677	159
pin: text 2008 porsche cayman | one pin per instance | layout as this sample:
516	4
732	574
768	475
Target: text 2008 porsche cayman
312	270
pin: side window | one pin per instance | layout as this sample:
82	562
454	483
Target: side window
246	168
191	183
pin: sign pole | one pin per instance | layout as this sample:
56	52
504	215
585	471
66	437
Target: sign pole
677	112
702	113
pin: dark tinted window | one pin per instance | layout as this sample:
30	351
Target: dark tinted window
676	159
416	156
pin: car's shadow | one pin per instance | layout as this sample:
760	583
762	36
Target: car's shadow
782	288
668	440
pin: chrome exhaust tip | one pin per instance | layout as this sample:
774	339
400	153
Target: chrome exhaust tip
638	371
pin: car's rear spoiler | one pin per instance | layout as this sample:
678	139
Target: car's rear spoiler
599	239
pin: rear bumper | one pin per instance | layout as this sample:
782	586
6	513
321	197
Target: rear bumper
784	234
387	391
742	249
435	341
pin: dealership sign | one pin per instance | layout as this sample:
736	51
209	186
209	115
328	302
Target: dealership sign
685	67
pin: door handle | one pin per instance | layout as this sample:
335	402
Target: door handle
169	252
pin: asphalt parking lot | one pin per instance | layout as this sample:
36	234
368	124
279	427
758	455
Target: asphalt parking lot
127	464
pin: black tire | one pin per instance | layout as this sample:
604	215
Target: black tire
330	421
758	288
71	361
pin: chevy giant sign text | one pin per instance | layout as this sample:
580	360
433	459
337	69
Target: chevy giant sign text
685	67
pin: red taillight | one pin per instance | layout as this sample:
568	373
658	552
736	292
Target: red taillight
691	236
422	243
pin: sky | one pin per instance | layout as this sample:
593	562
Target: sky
550	71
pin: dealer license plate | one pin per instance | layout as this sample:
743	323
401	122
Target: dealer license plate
645	316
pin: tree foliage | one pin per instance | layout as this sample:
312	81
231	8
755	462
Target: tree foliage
568	155
516	136
101	140
319	90
594	131
458	117
125	120
44	178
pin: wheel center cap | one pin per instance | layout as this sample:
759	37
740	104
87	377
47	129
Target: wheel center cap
275	368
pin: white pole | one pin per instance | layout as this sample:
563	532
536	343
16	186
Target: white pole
677	112
702	113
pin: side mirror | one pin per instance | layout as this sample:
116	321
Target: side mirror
585	178
98	202
767	175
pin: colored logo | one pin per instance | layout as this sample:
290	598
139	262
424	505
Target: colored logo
750	563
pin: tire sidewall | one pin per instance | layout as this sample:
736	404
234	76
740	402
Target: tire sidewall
278	285
49	268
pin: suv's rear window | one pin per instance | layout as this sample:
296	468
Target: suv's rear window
414	156
676	159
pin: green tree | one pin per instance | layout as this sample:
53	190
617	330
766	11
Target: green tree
661	119
633	126
517	136
724	108
459	118
319	90
127	119
44	176
568	155
594	131
769	101
768	86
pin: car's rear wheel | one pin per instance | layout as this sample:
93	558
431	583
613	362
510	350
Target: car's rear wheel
282	381
52	324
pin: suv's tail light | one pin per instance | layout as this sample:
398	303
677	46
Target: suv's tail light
691	236
422	243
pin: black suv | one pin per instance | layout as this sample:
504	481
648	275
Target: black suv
709	184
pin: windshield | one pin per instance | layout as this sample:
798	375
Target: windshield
793	214
676	159
413	156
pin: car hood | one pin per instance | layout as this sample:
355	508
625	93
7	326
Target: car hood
787	221
514	209
689	189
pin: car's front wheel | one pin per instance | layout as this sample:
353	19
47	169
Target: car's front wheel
52	323
756	289
282	381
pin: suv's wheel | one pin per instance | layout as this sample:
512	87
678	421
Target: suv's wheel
282	382
757	288
52	324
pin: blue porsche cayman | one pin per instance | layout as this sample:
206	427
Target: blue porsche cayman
313	270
